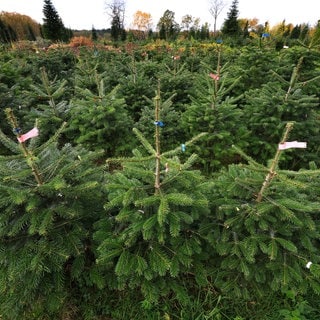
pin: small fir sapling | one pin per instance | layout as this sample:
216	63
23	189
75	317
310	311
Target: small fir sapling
50	197
266	229
156	204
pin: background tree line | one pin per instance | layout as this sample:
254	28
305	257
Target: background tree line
15	27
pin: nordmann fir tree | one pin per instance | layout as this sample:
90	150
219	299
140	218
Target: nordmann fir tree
116	10
51	91
308	68
215	111
49	199
169	115
156	204
99	119
267	228
49	105
270	107
133	84
178	80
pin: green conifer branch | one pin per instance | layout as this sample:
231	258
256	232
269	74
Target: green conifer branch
157	140
279	77
144	141
52	95
294	77
27	153
187	143
272	173
133	68
52	138
250	160
216	87
8	143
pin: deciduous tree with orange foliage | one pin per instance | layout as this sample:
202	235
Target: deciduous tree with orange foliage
142	21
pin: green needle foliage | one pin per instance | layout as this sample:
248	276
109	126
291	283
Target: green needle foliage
51	91
215	111
49	198
53	27
49	104
99	119
155	203
178	229
267	229
171	133
267	110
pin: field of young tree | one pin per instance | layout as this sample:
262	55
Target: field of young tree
160	178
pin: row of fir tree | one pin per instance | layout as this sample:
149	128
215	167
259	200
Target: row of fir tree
152	182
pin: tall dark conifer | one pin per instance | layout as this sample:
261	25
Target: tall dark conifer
115	28
53	27
231	25
94	35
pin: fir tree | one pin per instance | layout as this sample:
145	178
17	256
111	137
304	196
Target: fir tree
267	228
53	27
156	203
49	198
99	119
215	111
177	81
231	26
253	67
172	132
15	81
295	32
115	28
275	103
204	32
117	10
50	92
48	104
94	35
133	83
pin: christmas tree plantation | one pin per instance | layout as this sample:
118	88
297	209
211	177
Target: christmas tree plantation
160	181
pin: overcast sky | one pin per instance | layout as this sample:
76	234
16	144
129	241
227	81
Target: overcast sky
83	14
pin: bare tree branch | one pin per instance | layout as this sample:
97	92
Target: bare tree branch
215	8
116	8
